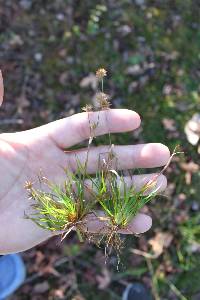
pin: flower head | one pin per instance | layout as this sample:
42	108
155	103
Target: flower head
101	73
102	100
28	185
87	108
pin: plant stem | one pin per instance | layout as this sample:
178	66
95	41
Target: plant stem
79	235
154	279
175	290
102	85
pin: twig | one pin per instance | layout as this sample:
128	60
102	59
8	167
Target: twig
143	253
175	290
154	279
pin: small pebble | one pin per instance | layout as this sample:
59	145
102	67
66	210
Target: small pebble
60	17
195	206
26	4
38	57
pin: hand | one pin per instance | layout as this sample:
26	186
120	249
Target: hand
23	154
1	88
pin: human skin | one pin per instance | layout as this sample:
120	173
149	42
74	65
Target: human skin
24	154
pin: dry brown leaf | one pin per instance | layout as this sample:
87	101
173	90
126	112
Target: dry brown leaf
16	41
78	297
104	279
134	70
22	102
63	78
190	167
192	129
188	178
90	80
41	288
58	293
160	241
181	217
169	124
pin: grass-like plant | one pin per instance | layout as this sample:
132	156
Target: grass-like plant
120	202
64	208
60	208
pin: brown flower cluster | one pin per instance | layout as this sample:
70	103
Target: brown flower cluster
101	73
102	100
87	108
28	185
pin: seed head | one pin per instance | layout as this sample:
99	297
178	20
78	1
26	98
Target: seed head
28	185
102	100
87	108
93	126
101	73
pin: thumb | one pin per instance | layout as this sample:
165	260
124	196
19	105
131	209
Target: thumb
1	88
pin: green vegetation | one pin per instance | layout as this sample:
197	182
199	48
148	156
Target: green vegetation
64	208
151	52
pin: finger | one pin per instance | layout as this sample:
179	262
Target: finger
139	181
141	223
136	181
126	157
1	88
75	129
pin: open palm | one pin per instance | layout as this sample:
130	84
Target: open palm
24	154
